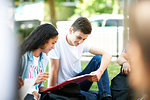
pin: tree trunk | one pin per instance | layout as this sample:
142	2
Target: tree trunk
116	7
52	11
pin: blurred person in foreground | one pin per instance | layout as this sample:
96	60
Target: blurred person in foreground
66	64
139	49
8	52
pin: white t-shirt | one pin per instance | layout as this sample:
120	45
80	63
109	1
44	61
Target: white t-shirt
69	58
36	60
33	73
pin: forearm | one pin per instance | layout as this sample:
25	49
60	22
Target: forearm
53	79
121	59
105	61
54	72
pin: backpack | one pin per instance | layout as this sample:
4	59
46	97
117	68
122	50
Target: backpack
120	87
51	96
68	92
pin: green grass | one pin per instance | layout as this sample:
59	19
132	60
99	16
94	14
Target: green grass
113	70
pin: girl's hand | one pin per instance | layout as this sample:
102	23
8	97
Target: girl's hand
42	77
36	95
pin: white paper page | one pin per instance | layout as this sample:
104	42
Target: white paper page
28	83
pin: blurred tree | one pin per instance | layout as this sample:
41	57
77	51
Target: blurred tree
116	7
62	11
52	11
92	7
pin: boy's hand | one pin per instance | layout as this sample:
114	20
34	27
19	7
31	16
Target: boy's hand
95	78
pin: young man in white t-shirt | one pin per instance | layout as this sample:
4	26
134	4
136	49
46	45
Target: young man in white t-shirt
65	59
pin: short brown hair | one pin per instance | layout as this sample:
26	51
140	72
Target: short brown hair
82	24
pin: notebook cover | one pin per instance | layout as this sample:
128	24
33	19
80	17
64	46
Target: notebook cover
77	79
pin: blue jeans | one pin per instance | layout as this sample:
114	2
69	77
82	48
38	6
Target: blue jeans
103	83
88	95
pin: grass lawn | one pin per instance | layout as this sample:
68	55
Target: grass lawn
113	70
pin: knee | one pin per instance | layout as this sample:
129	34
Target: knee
97	58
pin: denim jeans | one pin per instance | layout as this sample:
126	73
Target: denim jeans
88	95
103	83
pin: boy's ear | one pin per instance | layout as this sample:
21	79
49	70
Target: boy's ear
70	30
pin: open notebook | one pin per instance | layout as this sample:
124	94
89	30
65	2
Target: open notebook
28	84
77	79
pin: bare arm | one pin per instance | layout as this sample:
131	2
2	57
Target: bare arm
54	71
122	58
123	61
105	61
